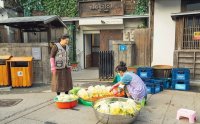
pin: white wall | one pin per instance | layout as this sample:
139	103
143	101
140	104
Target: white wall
1	3
79	48
129	26
164	31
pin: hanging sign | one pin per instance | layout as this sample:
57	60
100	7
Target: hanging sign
196	36
101	8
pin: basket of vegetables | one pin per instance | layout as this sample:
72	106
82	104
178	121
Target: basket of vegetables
66	101
94	93
116	110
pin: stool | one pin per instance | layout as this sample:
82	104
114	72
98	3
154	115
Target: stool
190	114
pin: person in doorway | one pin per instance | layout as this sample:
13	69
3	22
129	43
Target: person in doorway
133	85
61	72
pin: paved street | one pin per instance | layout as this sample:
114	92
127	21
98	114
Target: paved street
37	106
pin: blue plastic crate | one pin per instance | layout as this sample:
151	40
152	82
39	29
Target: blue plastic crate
158	87
180	74
166	82
150	88
180	81
147	80
180	85
145	72
153	87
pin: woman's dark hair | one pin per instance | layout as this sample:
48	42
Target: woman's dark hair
121	67
64	36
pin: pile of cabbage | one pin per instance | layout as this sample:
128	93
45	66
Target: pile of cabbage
128	107
97	91
65	98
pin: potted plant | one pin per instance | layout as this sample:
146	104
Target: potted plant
74	65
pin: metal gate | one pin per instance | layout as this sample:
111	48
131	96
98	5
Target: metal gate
106	65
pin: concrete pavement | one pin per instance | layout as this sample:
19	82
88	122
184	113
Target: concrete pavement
39	108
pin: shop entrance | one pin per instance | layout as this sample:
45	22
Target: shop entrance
91	50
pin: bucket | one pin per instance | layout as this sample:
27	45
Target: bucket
162	71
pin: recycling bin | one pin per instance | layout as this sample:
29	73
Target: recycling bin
4	71
21	71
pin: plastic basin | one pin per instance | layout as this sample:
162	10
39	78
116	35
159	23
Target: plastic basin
66	105
114	119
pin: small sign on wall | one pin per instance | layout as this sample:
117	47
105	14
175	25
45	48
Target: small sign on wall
122	47
196	36
36	53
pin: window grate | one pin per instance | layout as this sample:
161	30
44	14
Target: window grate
191	25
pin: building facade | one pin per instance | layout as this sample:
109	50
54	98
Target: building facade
176	34
100	23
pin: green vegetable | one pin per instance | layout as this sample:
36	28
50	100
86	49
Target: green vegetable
75	90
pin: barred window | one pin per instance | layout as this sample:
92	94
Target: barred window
191	37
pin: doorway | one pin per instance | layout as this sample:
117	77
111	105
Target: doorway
91	50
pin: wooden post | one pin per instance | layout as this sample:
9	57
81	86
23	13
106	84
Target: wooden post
49	36
21	36
151	25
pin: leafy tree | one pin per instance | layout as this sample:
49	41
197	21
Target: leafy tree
141	7
62	8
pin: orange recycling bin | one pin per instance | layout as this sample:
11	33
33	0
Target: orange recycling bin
4	71
21	71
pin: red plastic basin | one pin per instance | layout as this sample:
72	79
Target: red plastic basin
66	105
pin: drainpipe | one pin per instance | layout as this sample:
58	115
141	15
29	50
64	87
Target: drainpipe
151	26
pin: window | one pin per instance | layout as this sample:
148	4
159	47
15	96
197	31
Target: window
191	26
190	5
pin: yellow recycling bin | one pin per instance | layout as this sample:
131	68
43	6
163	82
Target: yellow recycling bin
21	71
4	71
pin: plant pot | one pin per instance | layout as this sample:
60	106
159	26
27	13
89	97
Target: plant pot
74	65
133	68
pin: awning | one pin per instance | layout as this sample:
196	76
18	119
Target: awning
175	15
67	19
34	23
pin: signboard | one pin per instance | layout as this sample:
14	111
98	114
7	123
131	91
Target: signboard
101	8
103	21
36	53
122	47
196	36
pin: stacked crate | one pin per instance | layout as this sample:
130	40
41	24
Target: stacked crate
153	85
163	72
180	78
145	73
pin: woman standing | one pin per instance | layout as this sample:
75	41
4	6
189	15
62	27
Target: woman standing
61	72
134	86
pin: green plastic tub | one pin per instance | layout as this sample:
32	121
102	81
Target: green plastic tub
84	102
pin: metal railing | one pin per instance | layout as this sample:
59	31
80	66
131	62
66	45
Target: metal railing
106	65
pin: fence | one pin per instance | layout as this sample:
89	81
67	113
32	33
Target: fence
106	65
